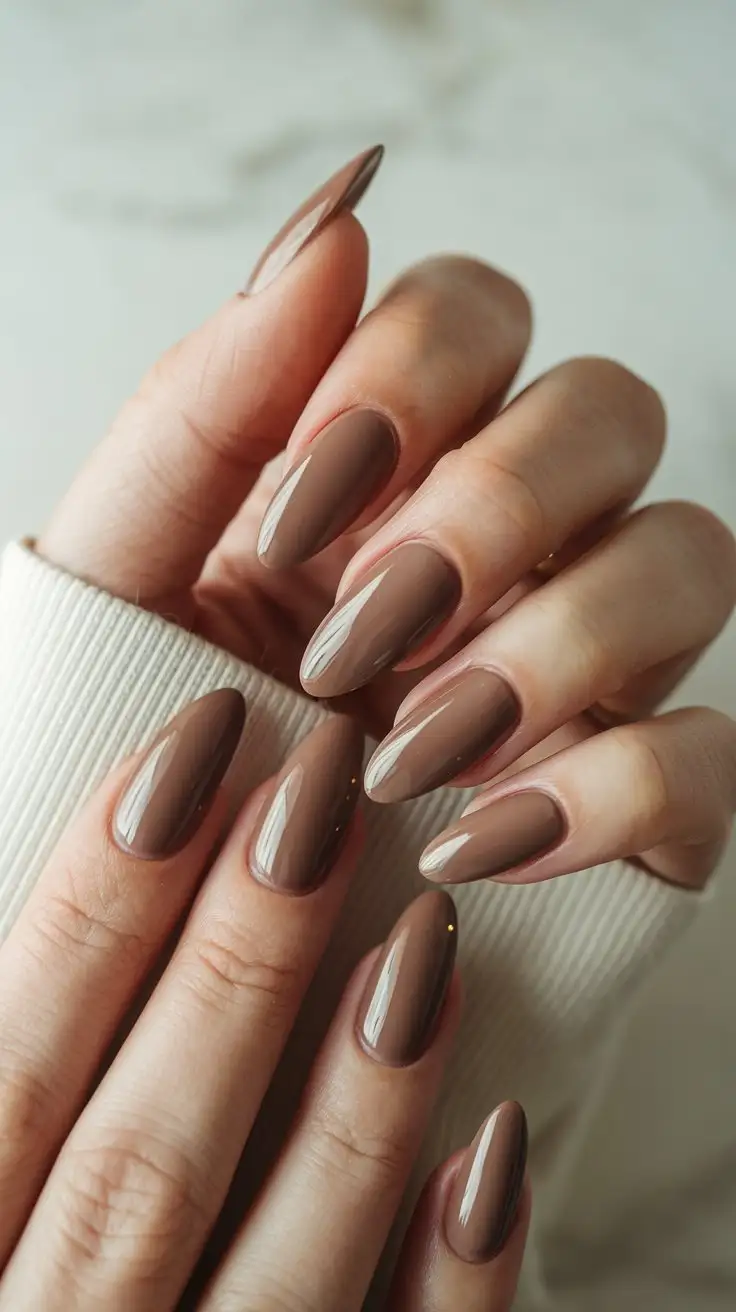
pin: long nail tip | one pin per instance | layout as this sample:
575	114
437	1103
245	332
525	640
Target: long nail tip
357	176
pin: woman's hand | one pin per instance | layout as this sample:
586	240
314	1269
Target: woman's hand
108	1194
489	558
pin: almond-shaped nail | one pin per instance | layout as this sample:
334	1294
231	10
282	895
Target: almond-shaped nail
342	470
302	827
171	791
384	617
494	839
484	1200
458	725
408	985
341	192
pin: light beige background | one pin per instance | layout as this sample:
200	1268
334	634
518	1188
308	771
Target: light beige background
150	149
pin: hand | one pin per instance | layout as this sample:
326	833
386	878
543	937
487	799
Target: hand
489	558
108	1194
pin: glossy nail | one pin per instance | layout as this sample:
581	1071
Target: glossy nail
343	469
341	192
484	1200
445	734
172	789
385	616
494	839
313	801
408	985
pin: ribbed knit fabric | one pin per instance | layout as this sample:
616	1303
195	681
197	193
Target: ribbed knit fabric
86	678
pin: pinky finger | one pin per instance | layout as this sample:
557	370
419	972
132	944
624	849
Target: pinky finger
662	791
466	1241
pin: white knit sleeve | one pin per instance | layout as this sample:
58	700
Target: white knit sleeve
85	678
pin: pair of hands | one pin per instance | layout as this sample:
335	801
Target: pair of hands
498	552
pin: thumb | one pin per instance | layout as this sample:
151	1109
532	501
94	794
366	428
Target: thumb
152	501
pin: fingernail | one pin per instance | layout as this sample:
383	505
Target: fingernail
457	726
341	192
381	620
171	791
494	839
482	1206
408	984
313	801
344	468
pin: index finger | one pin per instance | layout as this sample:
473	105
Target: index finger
183	454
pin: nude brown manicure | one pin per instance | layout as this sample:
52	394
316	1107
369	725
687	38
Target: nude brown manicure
385	616
341	192
343	469
172	790
455	727
494	839
302	829
484	1200
408	985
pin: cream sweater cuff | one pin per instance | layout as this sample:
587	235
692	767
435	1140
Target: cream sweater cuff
86	678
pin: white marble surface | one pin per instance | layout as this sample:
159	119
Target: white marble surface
149	150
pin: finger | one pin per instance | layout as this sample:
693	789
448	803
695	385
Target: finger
142	1177
649	597
442	345
182	455
466	1241
111	894
583	439
336	1188
663	791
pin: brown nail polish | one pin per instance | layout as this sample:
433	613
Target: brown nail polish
455	727
343	469
484	1200
313	801
172	789
404	996
494	839
341	192
385	616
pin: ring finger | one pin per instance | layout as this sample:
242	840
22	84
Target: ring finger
653	593
576	446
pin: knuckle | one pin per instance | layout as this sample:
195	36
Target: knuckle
133	1199
362	1154
647	778
229	967
477	482
63	926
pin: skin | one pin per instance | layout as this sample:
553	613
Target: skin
108	1190
167	513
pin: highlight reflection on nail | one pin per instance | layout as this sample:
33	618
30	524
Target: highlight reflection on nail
341	192
408	985
484	1201
306	819
382	619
